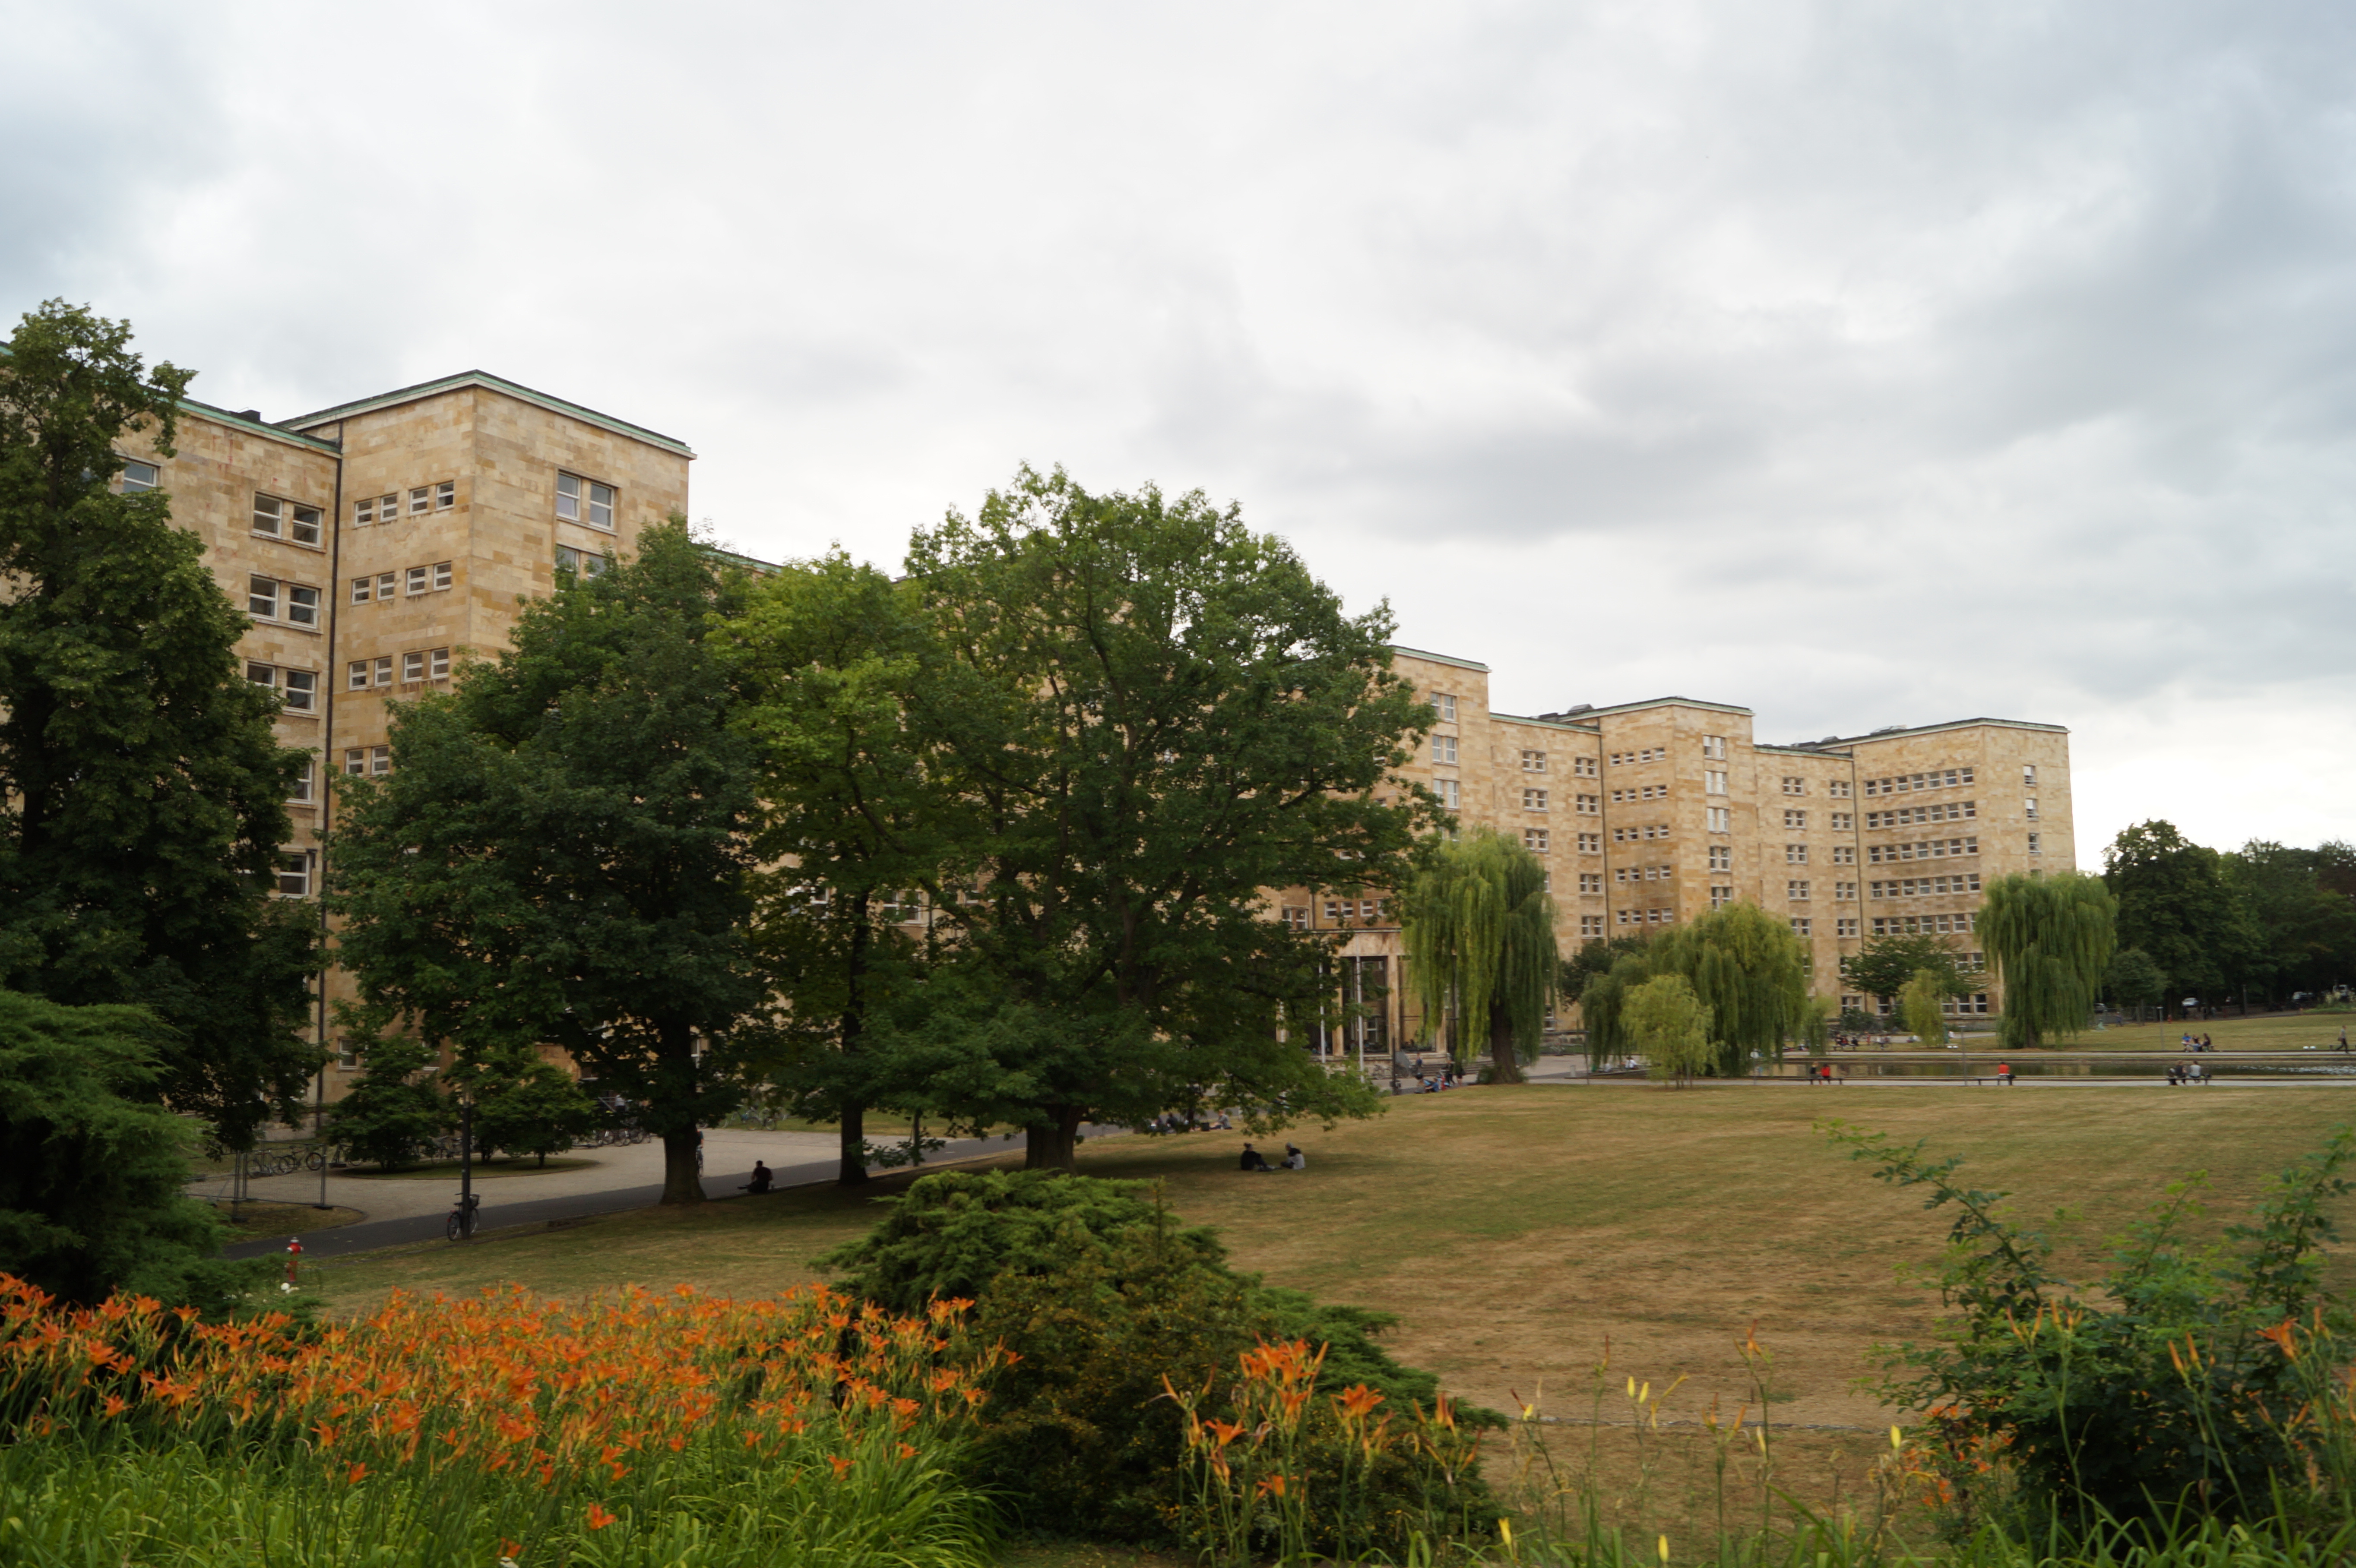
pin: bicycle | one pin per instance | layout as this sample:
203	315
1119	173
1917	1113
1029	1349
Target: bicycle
461	1224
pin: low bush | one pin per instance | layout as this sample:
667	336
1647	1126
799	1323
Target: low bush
674	1430
1123	1322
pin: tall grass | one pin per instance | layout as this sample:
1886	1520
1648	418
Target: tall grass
679	1430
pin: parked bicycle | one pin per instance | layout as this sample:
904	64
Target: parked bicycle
461	1225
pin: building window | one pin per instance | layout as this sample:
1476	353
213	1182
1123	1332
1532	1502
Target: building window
1534	839
298	690
426	664
1794	786
138	477
421	500
1845	890
1719	816
1590	926
445	494
1796	821
1590	843
356	676
1443	749
267	599
1448	791
1591	881
305	782
1297	916
1714	748
277	520
2028	808
1845	926
1713	780
1839	789
1844	854
364	512
1843	822
1795	890
1721	857
1533	800
1795	854
360	589
295	874
580	500
347	1055
2037	844
1585	767
1535	762
412	667
1802	925
1589	805
442	575
2028	775
417	577
1721	897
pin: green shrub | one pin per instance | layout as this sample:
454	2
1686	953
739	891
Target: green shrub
1103	1296
2192	1381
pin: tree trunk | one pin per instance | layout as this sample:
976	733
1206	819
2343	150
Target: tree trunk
1505	1062
1054	1145
854	1146
682	1183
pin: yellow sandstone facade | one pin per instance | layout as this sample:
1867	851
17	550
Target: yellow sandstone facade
380	543
1648	813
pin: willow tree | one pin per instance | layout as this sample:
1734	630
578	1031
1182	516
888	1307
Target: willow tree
1669	1025
1922	1002
2050	940
1478	928
1749	970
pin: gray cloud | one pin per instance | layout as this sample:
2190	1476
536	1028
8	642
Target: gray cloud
1861	362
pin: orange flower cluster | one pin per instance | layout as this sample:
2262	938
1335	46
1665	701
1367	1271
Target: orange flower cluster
505	1381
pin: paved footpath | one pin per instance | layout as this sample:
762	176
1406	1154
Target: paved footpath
404	1210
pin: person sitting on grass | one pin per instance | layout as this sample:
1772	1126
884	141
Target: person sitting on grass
1252	1161
762	1176
1294	1158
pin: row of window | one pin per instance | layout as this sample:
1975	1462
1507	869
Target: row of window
1837	788
421	664
417	580
1646	916
1642	792
297	689
1843	892
1640	834
1949	778
1927	887
1976	1002
1649	754
1641	874
1925	925
371	761
1338	911
289	604
1927	849
1906	816
289	521
440	496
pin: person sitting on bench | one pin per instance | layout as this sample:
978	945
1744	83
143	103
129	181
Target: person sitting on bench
1252	1161
762	1176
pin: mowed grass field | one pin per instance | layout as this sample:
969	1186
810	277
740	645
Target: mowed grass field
1514	1230
2262	1031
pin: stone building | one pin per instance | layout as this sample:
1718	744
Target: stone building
378	543
1647	813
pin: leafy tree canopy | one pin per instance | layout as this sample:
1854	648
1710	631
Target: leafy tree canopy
560	852
1669	1027
1747	967
2174	903
1888	964
397	1108
1478	929
1168	717
2050	939
141	792
92	1169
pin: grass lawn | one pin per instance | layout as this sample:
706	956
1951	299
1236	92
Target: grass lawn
1512	1229
2260	1031
258	1218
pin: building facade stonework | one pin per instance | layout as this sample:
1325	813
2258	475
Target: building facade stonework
1648	813
379	544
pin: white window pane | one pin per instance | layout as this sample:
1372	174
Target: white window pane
307	525
441	663
356	676
384	584
419	499
384	671
412	667
303	605
568	498
261	675
262	596
445	494
441	574
300	685
265	515
360	590
138	476
601	505
417	580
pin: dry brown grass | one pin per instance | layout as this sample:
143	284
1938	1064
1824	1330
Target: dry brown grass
1512	1231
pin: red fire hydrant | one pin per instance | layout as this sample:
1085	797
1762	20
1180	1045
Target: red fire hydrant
293	1256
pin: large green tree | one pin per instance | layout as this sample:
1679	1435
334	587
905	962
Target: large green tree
92	1171
846	684
1747	967
2175	903
2050	939
2303	919
1478	931
560	853
1178	716
1888	964
141	793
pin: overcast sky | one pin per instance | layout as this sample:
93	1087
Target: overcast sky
1862	364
